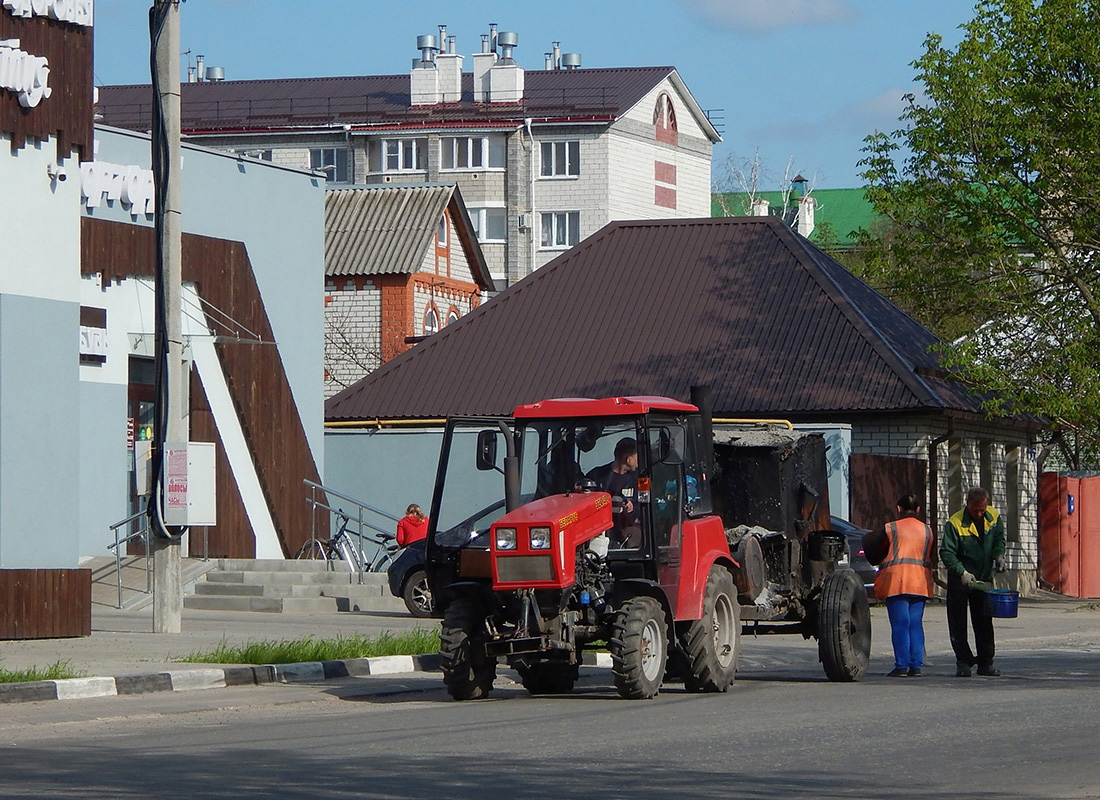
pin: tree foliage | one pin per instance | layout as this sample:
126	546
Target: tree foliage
993	219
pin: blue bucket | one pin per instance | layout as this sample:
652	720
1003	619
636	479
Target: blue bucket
1002	602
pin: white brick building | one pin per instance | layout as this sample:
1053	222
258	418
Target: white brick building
543	158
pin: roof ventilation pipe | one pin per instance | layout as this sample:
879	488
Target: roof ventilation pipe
549	61
443	37
570	60
198	68
426	45
507	41
492	37
215	74
557	55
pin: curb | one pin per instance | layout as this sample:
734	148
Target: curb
187	680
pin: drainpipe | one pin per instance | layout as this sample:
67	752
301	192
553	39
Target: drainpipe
934	475
534	227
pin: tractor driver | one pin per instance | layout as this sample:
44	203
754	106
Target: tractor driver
620	479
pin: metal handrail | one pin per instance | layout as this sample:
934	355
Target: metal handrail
360	523
142	532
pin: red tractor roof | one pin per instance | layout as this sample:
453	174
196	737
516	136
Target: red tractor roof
605	407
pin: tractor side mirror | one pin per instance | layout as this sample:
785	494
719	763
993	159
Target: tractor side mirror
486	450
666	453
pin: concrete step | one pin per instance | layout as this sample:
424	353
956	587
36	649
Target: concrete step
258	590
278	565
387	603
294	605
296	578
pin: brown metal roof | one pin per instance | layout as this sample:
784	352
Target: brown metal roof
743	305
383	100
386	230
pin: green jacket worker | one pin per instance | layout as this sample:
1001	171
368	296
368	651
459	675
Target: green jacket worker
972	549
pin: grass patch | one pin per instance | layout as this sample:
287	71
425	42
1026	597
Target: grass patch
294	651
58	670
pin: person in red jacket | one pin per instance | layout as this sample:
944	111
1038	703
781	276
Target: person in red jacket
412	527
904	582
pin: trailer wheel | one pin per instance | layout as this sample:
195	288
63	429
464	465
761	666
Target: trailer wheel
639	648
844	627
548	677
468	672
712	644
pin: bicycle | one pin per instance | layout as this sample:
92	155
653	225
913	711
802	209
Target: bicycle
340	547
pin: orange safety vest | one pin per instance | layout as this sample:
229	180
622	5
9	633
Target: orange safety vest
907	568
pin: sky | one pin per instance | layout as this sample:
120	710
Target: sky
799	83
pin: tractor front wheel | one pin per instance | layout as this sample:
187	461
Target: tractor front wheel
639	648
844	627
711	644
468	672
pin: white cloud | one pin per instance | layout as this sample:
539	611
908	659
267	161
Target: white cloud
762	16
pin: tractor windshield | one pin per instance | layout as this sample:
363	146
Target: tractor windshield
555	455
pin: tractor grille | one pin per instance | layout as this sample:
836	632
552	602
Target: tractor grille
514	569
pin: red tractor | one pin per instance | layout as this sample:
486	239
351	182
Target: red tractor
663	552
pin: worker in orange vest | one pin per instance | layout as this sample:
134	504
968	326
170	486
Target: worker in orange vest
904	582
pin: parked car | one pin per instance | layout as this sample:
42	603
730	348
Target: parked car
407	577
854	556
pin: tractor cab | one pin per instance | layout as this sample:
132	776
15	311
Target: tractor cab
641	462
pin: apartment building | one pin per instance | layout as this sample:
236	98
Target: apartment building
544	158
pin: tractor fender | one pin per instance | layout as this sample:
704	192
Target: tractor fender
703	545
635	587
690	602
473	589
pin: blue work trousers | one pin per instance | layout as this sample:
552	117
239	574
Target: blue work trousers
907	629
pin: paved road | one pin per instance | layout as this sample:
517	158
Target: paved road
783	731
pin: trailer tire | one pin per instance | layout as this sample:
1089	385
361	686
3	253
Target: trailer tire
712	644
468	672
548	677
639	648
844	627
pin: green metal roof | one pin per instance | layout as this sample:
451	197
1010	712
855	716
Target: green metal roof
844	211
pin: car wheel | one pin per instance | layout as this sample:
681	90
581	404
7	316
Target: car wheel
417	594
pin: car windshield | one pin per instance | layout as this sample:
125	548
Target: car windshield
555	456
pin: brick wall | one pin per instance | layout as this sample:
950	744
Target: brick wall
353	321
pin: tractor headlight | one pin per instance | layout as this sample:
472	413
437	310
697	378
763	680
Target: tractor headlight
506	538
540	538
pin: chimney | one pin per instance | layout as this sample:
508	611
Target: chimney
198	68
450	69
759	207
549	61
483	62
506	77
806	216
557	54
424	83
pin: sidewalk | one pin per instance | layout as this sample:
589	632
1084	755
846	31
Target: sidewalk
123	646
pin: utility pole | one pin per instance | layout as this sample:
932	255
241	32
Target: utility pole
167	560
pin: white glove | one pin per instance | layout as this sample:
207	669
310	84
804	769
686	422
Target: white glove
967	578
999	564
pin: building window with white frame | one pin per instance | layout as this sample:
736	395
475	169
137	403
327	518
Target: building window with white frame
335	162
560	229
560	159
441	232
404	155
431	320
490	224
471	152
452	315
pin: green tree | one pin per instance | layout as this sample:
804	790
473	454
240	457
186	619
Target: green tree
993	216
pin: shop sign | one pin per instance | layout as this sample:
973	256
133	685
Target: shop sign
78	12
26	75
132	185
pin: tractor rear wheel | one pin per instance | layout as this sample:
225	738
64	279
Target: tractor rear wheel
548	677
639	648
468	672
844	627
712	644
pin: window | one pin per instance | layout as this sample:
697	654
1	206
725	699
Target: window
560	229
664	120
490	224
403	155
441	232
561	159
452	315
431	320
335	162
471	152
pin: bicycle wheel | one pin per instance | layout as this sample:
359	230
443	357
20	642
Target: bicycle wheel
314	549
